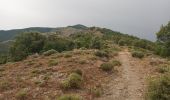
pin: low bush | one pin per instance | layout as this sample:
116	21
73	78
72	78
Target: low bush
78	71
138	54
67	55
50	52
116	63
159	88
107	66
122	42
21	95
3	59
52	63
82	61
101	54
65	85
74	81
96	92
70	97
4	85
163	69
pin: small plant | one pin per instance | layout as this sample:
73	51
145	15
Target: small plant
40	83
67	55
122	42
70	97
78	71
163	69
50	52
30	63
82	62
4	85
138	54
116	63
74	81
65	84
35	71
52	63
107	66
21	95
159	88
3	59
101	54
38	71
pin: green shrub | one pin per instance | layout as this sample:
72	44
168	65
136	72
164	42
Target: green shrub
4	85
74	81
87	40
116	63
122	42
21	95
96	43
163	40
163	69
107	66
52	63
65	85
125	41
78	71
50	52
58	43
137	54
26	44
70	97
67	55
82	62
101	54
3	59
159	89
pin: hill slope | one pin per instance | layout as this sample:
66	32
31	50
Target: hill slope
40	77
10	34
81	64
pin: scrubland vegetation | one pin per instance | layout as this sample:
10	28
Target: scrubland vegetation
74	62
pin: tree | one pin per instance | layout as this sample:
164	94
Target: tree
26	44
164	34
58	43
163	37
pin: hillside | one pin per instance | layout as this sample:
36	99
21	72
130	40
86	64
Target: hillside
80	63
40	77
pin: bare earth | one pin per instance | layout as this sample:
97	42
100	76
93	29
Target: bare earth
130	82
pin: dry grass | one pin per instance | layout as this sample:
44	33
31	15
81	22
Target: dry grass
42	81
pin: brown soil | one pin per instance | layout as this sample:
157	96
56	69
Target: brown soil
42	82
130	84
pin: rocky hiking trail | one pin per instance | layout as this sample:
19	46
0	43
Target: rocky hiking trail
130	81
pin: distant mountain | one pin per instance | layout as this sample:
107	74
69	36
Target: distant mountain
79	26
10	34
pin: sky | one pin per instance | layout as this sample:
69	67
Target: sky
141	18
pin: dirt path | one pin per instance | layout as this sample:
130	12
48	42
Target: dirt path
130	81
